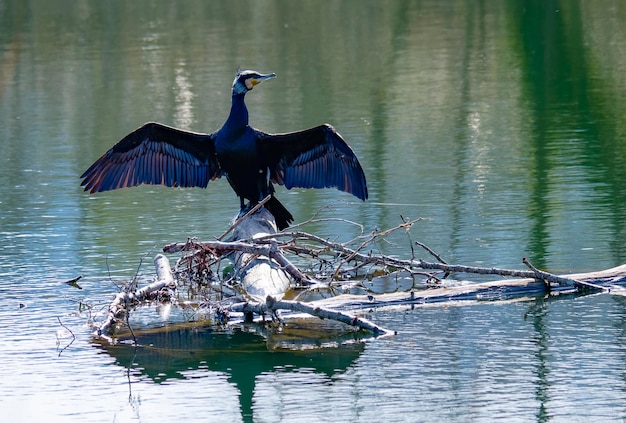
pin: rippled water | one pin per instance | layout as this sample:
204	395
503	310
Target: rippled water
519	361
500	123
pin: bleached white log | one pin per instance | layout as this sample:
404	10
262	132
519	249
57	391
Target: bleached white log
260	275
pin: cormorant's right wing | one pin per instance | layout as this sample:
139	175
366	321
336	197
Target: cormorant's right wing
314	158
155	154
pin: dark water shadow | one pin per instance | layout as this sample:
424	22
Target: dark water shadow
243	352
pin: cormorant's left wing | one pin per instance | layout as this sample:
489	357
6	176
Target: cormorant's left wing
314	158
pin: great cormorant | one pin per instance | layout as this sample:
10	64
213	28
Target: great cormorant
250	159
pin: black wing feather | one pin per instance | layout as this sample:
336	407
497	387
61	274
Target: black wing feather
314	158
158	155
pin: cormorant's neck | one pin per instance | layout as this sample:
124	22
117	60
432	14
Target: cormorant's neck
238	117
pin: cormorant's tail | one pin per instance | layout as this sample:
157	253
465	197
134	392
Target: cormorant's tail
281	214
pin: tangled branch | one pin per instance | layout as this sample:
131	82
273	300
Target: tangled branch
250	274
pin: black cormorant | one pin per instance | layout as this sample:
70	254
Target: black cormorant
250	159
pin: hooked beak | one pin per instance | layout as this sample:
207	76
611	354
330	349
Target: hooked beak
260	78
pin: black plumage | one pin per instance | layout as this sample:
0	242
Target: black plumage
251	160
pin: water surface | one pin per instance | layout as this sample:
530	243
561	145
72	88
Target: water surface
500	123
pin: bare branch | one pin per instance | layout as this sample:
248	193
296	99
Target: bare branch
272	304
244	217
549	277
431	252
122	300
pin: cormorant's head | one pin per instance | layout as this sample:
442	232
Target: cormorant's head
247	79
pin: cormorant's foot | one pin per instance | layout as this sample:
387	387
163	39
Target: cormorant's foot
245	209
239	215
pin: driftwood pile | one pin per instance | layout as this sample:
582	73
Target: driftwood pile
253	273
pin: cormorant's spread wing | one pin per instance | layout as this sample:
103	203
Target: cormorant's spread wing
313	158
155	154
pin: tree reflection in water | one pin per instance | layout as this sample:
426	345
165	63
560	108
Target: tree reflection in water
243	352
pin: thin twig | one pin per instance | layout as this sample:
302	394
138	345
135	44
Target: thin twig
245	216
431	252
128	325
315	219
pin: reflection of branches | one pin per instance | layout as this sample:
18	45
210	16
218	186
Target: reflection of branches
59	341
133	401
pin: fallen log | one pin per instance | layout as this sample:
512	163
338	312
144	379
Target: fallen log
263	274
260	273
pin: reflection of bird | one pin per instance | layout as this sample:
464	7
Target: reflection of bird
250	159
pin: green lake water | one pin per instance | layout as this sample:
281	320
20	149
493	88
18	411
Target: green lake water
500	123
